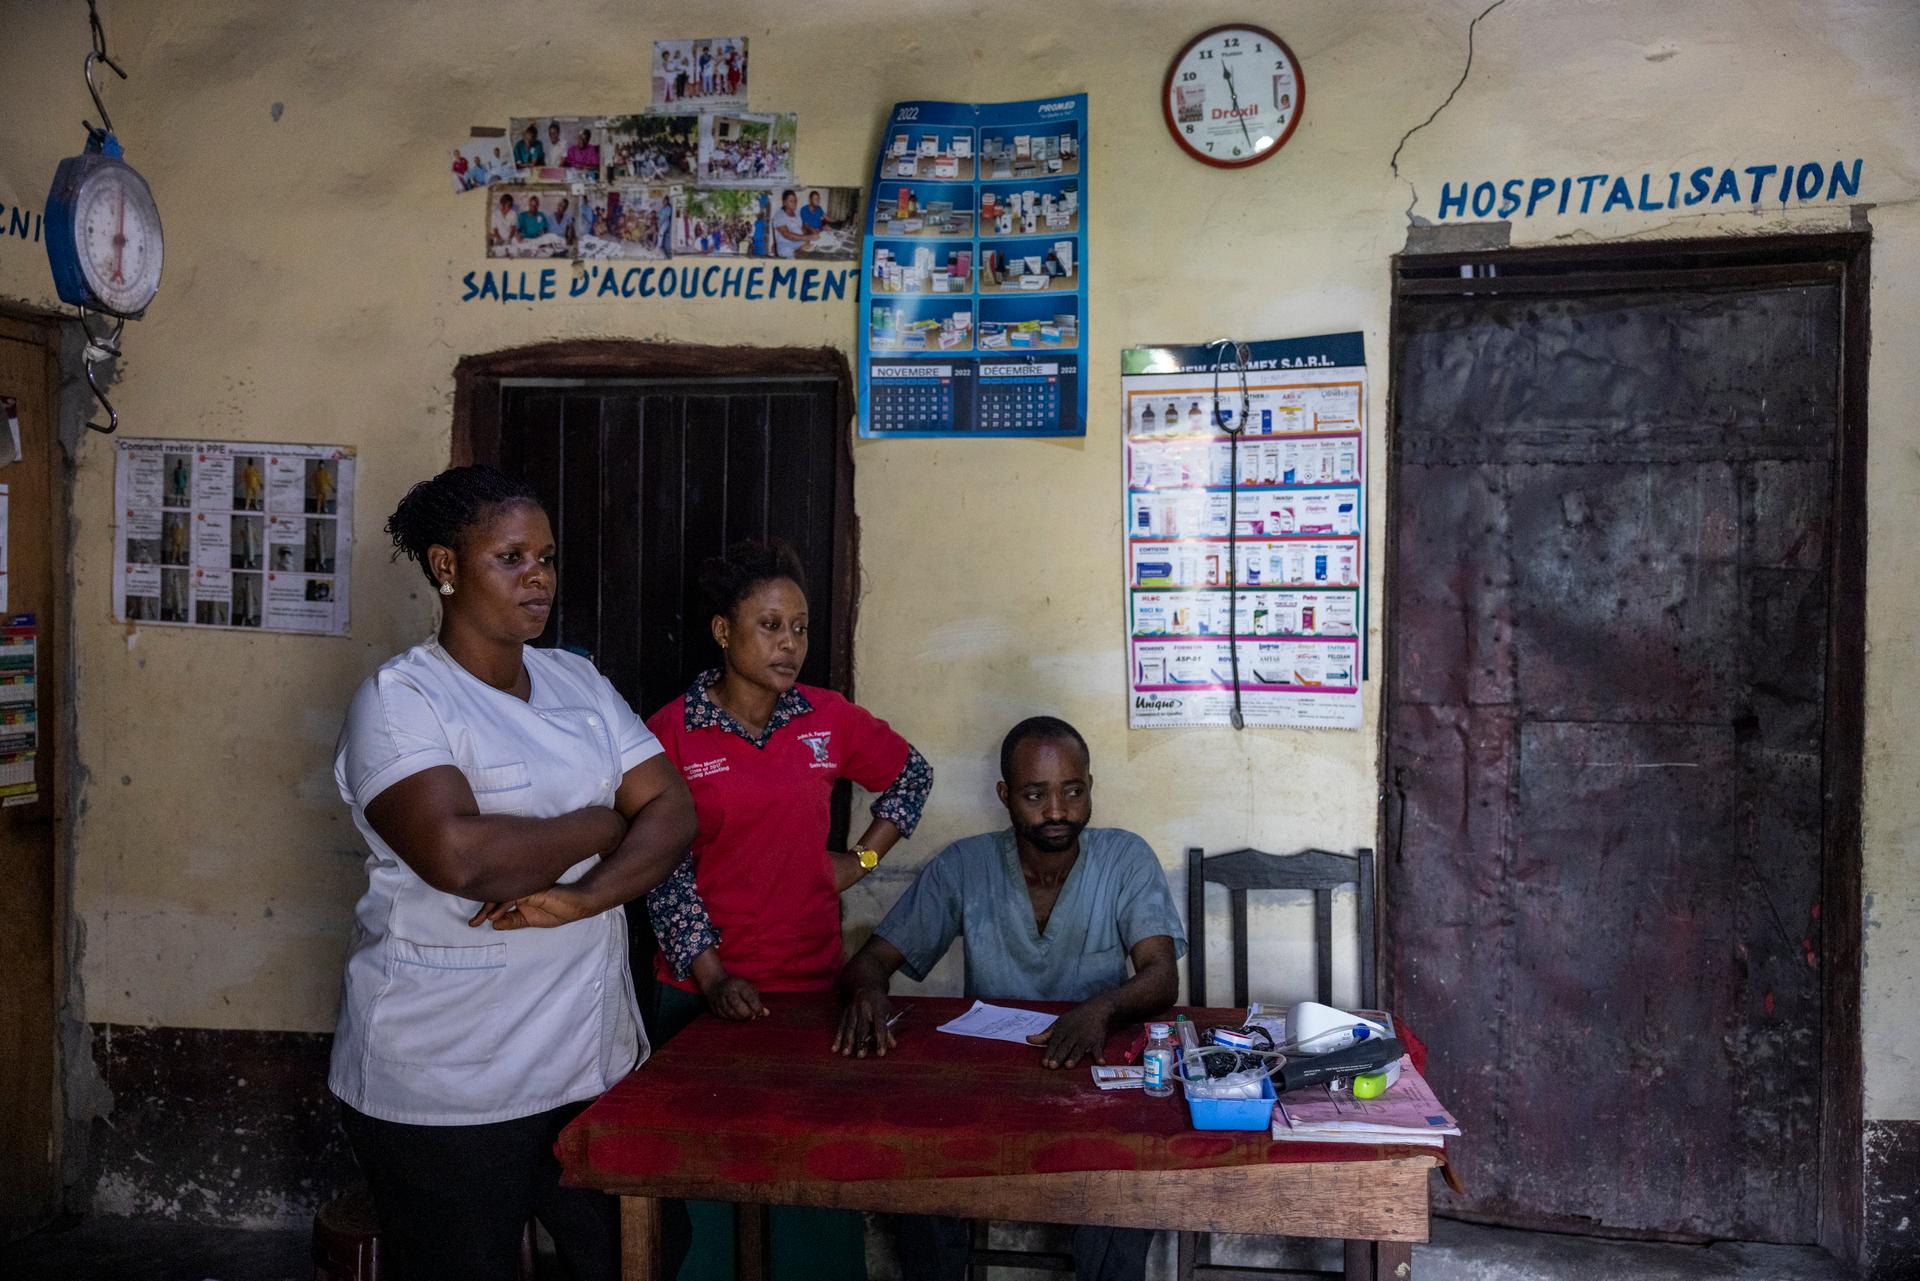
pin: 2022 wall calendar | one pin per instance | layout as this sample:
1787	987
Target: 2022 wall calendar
973	301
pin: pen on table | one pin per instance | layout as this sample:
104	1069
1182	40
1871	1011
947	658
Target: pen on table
873	1038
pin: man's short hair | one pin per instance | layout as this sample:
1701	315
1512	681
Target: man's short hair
1045	728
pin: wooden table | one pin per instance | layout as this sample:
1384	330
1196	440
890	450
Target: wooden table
765	1114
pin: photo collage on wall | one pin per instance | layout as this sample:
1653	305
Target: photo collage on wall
695	175
229	534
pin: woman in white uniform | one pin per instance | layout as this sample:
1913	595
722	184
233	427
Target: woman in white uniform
498	787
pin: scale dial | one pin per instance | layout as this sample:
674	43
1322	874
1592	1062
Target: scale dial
1233	96
117	238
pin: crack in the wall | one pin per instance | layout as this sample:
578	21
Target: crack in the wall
1394	162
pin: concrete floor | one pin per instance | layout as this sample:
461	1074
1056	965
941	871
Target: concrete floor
1468	1252
156	1250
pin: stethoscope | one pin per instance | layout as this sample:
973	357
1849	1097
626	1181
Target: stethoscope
1233	424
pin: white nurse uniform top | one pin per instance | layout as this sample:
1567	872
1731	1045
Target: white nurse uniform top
442	1023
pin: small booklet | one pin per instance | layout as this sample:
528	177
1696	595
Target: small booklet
1119	1078
1407	1113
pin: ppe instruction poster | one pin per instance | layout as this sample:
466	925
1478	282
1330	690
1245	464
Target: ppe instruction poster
973	301
1246	519
251	535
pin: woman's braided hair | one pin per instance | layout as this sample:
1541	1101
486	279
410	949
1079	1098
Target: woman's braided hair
441	510
729	579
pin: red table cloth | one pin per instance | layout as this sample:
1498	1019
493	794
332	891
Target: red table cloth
769	1101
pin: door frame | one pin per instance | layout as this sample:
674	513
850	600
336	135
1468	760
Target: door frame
1841	257
478	379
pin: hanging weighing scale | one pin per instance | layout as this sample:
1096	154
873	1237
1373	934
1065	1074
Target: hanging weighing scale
103	232
104	243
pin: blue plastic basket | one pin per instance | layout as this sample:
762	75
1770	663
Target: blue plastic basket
1230	1114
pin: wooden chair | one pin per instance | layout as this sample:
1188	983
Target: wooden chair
981	1256
1242	871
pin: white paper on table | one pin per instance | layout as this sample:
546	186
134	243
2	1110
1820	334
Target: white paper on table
999	1023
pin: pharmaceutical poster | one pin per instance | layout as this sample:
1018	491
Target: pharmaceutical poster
19	711
228	534
973	299
1287	592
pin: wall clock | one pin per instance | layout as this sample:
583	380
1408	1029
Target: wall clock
1233	96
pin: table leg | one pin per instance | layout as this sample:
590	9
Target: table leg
750	1242
1360	1261
1393	1260
639	1238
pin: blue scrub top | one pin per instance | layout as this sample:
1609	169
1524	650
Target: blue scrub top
1115	896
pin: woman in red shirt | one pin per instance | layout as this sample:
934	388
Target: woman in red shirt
755	908
761	910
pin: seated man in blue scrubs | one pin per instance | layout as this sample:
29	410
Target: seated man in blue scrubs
1052	910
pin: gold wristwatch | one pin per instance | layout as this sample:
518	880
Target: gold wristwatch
869	859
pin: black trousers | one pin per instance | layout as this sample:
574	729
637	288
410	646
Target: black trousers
933	1248
453	1200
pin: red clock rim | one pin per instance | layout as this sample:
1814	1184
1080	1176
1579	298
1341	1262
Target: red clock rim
1299	106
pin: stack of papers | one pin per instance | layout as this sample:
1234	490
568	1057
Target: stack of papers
1408	1113
999	1023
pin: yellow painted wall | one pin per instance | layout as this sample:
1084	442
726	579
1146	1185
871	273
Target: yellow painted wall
299	155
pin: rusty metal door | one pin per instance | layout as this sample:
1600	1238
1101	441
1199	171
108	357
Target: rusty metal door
1611	603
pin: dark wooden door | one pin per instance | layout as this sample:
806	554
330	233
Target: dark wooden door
644	481
647	480
32	833
1607	739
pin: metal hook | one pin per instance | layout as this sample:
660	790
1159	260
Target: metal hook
100	350
99	54
113	415
106	122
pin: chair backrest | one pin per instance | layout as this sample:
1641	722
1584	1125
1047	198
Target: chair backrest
1318	870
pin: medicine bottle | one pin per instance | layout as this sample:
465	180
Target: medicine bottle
1158	1060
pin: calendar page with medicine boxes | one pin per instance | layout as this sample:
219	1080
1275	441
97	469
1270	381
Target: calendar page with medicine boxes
973	296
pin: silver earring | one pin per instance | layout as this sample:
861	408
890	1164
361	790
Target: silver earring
446	589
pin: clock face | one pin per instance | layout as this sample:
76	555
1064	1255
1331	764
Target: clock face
1233	96
117	234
